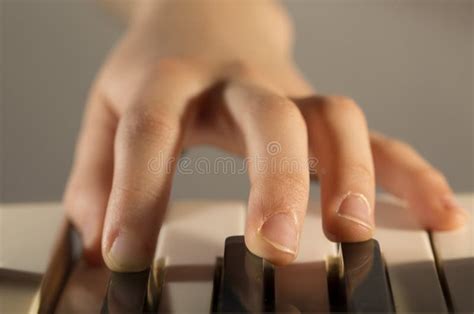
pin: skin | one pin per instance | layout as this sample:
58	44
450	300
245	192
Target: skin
222	73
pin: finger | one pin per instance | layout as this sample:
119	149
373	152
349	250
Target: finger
401	171
339	138
147	145
88	187
276	147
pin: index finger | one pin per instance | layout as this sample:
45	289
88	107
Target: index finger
147	145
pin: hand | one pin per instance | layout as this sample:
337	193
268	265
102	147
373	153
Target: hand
221	73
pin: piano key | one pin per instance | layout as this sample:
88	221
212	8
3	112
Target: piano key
246	283
17	290
65	255
28	232
455	256
366	285
191	239
31	228
85	289
126	293
410	267
302	286
409	259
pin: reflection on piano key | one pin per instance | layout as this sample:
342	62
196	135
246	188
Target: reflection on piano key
455	256
409	259
85	289
66	253
302	286
126	293
246	283
366	286
192	237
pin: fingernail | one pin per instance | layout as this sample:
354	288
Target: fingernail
355	207
280	231
127	253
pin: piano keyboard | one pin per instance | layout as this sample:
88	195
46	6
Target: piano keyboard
203	270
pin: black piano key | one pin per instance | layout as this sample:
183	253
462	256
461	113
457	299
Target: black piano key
335	284
246	283
366	285
126	293
155	286
216	291
66	253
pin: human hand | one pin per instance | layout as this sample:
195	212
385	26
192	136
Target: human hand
221	73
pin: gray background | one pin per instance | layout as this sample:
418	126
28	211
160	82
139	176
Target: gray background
409	64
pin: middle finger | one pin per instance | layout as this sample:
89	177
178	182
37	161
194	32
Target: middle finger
339	137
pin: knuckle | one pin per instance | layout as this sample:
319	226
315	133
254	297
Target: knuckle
273	102
396	147
242	69
388	142
145	122
279	107
392	144
361	172
338	100
171	65
125	193
338	106
345	105
172	71
431	175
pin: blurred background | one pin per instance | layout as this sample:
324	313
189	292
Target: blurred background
409	64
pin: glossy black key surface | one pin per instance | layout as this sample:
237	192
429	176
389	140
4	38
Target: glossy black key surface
126	293
245	283
365	280
66	253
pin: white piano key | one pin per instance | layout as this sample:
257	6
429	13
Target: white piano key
27	235
302	285
409	259
191	239
17	290
457	243
455	253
